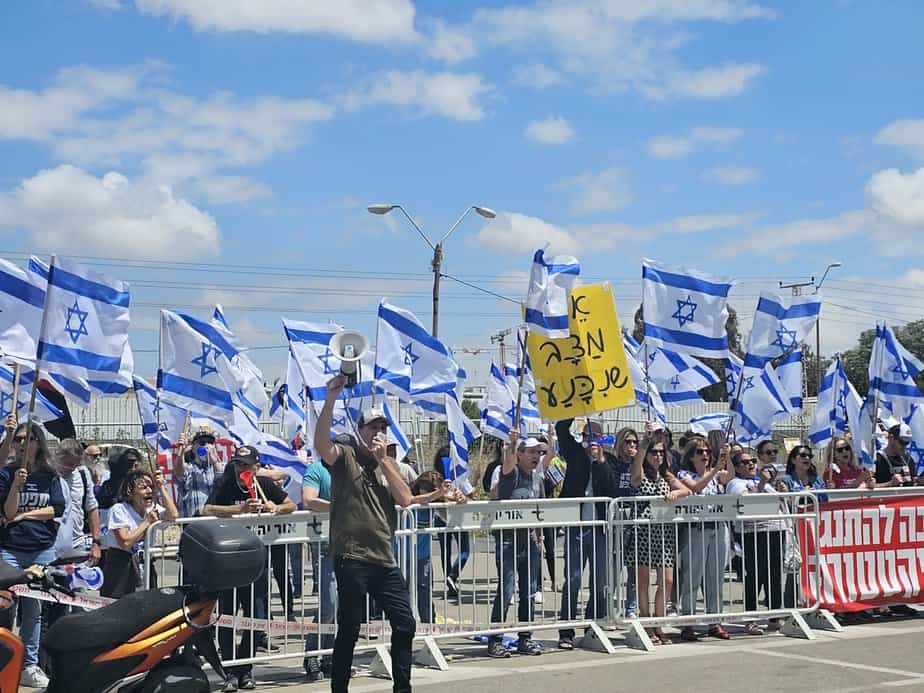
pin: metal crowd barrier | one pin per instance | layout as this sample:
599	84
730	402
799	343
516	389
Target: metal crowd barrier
532	565
713	560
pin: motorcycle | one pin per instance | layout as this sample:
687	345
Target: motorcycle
148	641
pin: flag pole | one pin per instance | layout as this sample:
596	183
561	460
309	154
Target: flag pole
520	375
15	406
647	387
35	381
734	401
874	414
829	471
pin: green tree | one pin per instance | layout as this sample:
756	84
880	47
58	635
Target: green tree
856	360
470	409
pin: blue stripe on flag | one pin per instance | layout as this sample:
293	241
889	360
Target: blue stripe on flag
550	322
897	389
412	330
686	339
800	310
680	397
194	390
38	268
149	429
309	336
85	287
794	357
24	291
210	333
72	387
108	387
683	281
758	362
78	357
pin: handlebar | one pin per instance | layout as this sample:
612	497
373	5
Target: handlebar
44	578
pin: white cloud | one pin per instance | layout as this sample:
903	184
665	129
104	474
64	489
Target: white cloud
371	21
67	210
708	222
450	44
716	82
551	130
107	4
780	240
898	197
732	175
677	146
520	233
621	45
603	191
451	95
907	134
536	76
669	147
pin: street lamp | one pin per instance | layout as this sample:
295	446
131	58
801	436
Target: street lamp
437	262
831	266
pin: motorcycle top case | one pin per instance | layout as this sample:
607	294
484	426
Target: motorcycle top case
220	555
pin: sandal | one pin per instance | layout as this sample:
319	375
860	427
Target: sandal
719	632
663	638
653	636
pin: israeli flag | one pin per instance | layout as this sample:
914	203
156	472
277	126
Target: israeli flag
781	324
295	396
84	334
648	398
498	407
679	377
838	403
685	310
632	347
757	403
44	409
530	419
548	299
252	395
460	437
278	454
789	371
409	361
709	422
892	373
161	423
915	448
194	373
309	343
22	300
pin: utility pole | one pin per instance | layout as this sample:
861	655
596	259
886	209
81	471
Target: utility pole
498	338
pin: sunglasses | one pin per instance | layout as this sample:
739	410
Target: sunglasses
842	449
701	451
747	461
659	453
804	455
770	452
21	439
631	441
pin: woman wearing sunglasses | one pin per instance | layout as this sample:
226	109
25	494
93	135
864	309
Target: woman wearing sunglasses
801	474
653	546
844	470
703	546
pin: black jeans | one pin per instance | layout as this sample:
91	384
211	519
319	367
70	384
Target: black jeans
763	570
248	599
356	579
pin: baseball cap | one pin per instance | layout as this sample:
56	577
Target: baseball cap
529	443
373	413
246	455
902	431
593	429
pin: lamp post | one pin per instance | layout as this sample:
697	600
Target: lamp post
831	266
437	262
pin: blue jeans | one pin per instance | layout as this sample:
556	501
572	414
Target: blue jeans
515	554
424	590
452	568
30	609
327	597
584	545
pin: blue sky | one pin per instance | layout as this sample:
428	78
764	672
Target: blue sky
754	140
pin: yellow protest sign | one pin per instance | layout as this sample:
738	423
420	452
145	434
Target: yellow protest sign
586	372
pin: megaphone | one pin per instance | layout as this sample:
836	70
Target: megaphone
349	347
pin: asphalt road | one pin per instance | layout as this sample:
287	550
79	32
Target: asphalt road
878	657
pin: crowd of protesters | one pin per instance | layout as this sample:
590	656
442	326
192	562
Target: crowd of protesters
70	501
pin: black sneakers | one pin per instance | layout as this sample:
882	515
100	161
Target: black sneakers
497	650
313	669
528	646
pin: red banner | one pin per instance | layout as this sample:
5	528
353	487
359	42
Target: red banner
870	553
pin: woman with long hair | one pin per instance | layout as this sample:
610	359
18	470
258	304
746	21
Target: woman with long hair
138	508
704	546
844	470
653	546
32	497
801	473
451	568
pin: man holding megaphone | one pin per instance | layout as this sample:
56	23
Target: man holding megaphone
365	485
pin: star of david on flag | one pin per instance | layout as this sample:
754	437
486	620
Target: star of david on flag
892	373
84	337
760	401
684	310
203	360
780	325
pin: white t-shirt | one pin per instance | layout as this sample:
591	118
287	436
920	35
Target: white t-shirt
124	516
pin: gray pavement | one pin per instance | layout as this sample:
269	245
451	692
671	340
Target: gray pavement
877	657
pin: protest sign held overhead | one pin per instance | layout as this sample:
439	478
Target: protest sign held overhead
587	371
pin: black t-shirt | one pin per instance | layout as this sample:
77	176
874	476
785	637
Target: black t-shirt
888	466
42	488
229	490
